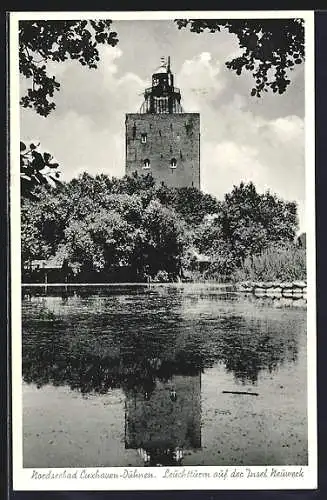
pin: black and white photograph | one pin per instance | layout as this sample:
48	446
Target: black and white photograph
163	250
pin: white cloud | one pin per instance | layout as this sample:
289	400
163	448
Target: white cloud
289	128
201	81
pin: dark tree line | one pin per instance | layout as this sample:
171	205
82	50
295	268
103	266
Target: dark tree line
101	223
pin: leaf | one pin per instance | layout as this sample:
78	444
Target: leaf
47	157
38	161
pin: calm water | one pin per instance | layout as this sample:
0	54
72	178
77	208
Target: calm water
133	376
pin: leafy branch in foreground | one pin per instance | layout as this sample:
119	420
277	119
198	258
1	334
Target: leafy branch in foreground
36	168
43	41
271	48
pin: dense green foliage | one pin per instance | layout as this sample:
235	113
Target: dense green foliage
101	224
41	42
271	48
246	224
36	168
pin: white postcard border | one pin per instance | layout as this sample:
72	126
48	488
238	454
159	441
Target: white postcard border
305	477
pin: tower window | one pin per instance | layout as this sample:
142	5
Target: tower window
146	164
144	138
173	163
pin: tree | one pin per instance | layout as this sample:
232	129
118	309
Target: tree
135	183
36	168
42	224
302	240
165	239
249	221
105	239
33	244
271	48
246	223
43	41
192	204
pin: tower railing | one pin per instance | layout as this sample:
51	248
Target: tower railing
146	108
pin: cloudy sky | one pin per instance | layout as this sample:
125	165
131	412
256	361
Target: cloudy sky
242	137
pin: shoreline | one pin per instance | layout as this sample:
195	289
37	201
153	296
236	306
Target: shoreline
283	293
144	284
244	286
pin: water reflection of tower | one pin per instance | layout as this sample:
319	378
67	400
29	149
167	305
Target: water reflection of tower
164	423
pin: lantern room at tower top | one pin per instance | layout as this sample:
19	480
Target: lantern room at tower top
162	97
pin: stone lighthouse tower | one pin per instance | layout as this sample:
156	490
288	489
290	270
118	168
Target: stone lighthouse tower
162	139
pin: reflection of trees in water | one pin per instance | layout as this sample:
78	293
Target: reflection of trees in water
58	352
93	365
247	347
134	347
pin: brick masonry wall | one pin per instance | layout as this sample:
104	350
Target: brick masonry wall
168	136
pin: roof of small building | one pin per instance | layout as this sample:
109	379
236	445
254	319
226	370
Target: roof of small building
53	262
